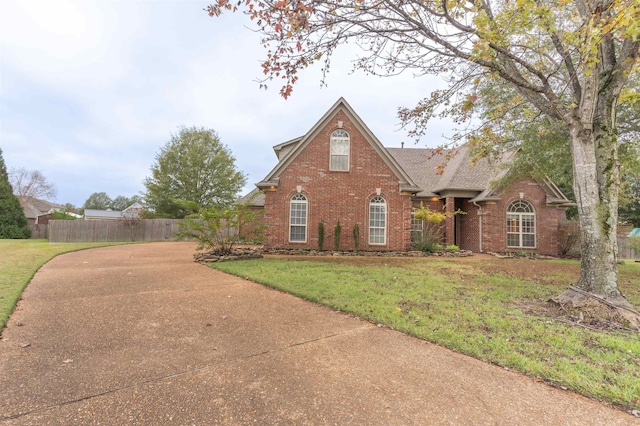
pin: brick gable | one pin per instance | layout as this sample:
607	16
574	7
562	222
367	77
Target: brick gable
338	195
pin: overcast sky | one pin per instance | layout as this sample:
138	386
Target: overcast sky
91	90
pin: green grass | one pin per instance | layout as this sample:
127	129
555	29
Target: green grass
484	308
20	260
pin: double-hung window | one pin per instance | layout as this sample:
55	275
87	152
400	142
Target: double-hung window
377	220
521	225
339	151
298	219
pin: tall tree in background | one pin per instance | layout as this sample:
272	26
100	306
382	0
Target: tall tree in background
193	168
121	202
13	222
98	201
31	183
102	201
569	59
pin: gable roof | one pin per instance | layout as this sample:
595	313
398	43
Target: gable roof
253	199
103	214
34	207
459	174
135	205
462	173
415	168
284	148
130	212
298	144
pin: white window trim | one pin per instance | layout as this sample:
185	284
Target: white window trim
386	219
520	233
306	217
348	139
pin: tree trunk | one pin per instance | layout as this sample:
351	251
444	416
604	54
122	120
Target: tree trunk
596	183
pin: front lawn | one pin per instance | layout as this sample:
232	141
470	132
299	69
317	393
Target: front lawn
491	309
19	261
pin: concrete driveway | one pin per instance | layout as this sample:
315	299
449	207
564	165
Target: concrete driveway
139	334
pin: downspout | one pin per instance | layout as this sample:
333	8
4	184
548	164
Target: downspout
475	203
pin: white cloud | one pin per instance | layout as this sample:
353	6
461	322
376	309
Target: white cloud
90	90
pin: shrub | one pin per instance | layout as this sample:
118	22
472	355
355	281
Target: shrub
321	236
217	229
356	236
453	247
428	241
569	239
336	236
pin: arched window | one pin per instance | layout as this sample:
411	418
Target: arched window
521	225
298	219
339	151
377	220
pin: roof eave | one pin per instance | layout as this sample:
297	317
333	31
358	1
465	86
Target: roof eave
265	184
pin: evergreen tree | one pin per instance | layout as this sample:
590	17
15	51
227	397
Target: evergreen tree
13	222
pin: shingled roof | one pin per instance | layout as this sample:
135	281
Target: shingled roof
34	207
416	168
255	198
460	172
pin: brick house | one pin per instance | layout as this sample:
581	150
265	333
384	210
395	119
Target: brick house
340	171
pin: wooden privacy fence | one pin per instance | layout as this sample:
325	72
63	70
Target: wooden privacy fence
68	231
39	231
625	252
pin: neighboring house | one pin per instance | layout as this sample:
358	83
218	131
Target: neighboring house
38	211
134	211
340	171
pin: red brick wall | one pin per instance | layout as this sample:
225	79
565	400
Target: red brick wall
338	195
494	232
253	230
469	232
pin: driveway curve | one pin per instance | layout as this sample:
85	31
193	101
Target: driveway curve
140	334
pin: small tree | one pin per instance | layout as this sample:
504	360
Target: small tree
431	235
217	229
132	222
356	237
336	236
13	222
321	236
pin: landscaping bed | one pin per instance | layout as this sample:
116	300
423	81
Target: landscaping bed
399	253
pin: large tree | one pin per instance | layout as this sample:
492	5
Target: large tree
31	183
13	222
98	201
570	59
193	169
543	145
